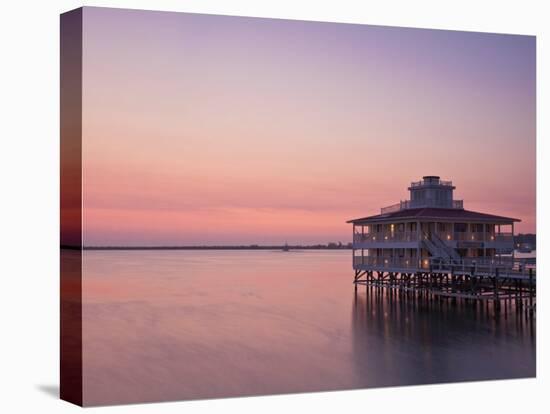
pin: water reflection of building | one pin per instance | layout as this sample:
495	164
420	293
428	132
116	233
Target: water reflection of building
405	340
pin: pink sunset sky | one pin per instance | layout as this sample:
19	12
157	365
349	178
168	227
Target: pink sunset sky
205	130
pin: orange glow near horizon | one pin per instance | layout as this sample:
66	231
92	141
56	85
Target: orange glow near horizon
214	130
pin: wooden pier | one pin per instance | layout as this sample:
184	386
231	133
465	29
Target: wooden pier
441	280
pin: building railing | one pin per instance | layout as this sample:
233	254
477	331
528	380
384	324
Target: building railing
484	236
503	237
411	236
402	205
425	182
471	236
383	236
406	204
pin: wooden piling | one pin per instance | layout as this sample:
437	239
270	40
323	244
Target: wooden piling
495	285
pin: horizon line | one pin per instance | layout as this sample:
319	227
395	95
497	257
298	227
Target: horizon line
331	246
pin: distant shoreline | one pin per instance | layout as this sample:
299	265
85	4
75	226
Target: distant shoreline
252	247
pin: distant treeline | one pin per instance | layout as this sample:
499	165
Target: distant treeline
527	238
328	246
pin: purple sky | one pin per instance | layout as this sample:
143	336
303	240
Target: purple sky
204	129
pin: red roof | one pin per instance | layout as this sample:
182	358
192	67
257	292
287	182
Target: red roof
428	213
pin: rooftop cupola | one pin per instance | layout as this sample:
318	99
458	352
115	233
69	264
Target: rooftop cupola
431	191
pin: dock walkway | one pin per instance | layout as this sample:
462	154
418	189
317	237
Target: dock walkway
496	281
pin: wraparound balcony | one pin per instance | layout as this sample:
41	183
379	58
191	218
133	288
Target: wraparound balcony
382	236
412	236
480	236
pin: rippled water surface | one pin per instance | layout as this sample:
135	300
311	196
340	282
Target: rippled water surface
170	325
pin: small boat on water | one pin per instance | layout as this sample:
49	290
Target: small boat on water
286	248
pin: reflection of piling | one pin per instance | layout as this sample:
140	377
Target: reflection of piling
531	309
495	284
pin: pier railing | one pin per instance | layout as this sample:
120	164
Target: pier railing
502	265
390	262
491	266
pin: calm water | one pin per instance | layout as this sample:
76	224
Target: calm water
167	325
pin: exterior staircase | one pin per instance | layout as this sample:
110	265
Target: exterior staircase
451	252
438	249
